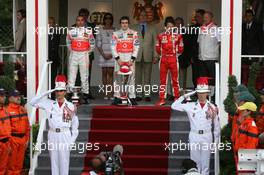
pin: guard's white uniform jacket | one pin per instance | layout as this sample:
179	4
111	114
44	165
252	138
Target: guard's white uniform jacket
62	133
200	136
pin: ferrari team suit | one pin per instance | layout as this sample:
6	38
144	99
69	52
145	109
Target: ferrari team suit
168	46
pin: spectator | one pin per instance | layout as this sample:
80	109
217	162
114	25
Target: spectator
106	60
252	41
20	133
53	42
252	36
147	54
5	133
247	137
85	13
193	46
20	35
184	58
208	40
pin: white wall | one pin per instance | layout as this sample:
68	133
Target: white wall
124	7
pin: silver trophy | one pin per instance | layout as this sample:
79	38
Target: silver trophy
126	74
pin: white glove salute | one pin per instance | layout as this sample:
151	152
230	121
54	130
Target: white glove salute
177	105
189	94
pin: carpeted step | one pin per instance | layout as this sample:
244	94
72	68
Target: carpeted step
130	124
75	160
131	112
141	130
47	170
129	136
137	148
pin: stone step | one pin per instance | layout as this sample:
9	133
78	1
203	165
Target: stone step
47	170
78	171
78	160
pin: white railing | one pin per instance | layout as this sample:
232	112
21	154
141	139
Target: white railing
252	56
4	51
37	147
217	101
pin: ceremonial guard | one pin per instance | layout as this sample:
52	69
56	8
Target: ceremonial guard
204	122
63	125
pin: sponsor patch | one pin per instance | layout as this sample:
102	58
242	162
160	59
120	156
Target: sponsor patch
164	39
130	35
137	42
120	36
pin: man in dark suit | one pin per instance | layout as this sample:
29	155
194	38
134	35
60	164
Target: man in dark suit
252	36
53	43
193	45
85	13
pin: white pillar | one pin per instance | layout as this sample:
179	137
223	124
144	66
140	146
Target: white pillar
237	37
43	44
224	60
31	46
34	68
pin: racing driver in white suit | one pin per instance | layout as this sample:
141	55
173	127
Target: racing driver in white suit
125	46
80	42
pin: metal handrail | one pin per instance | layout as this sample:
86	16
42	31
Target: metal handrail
34	156
6	47
13	53
252	56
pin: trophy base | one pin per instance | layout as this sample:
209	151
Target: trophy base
125	101
76	100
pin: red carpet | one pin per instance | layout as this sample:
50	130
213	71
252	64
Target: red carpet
142	131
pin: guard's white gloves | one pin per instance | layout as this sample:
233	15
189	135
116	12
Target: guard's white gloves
189	94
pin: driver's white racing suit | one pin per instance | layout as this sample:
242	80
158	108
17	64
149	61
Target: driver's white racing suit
125	46
80	42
